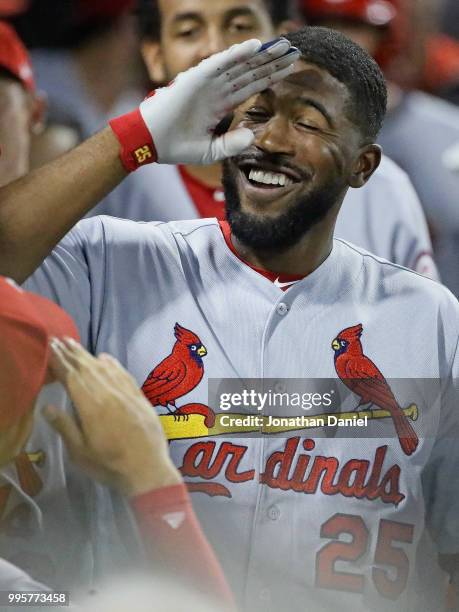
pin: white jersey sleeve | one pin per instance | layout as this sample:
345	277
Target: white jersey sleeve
72	276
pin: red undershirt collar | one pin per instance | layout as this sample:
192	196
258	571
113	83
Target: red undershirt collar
278	279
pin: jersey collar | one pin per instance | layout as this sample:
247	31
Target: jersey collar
282	281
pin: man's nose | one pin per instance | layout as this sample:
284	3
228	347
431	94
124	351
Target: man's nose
214	42
275	137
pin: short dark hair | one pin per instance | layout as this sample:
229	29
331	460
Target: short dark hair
354	67
149	15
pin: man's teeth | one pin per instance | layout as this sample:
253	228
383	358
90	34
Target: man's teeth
270	178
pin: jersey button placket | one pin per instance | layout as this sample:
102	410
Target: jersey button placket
273	513
282	309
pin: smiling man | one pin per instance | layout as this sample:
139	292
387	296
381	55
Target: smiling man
291	183
385	217
307	518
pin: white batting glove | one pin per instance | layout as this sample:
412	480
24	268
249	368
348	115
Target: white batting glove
176	124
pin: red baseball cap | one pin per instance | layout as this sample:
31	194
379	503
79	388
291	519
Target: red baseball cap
372	12
14	56
27	324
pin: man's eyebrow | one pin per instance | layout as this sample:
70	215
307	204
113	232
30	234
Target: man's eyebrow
318	106
240	11
306	101
188	16
244	11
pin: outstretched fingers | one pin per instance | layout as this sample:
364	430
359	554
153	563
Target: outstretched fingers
262	72
225	60
251	89
273	51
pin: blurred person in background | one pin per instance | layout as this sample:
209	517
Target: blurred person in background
448	46
85	57
36	490
421	132
440	73
384	217
35	141
21	108
450	18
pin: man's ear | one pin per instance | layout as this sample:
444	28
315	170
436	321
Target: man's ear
367	162
154	60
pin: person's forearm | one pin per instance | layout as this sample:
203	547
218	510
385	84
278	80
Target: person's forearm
39	209
169	528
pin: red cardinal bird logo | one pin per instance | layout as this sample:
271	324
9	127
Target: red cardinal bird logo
179	373
363	378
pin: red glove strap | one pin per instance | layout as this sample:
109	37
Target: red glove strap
137	146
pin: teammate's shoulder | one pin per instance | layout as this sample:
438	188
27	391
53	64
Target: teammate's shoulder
389	170
391	183
393	195
396	279
433	110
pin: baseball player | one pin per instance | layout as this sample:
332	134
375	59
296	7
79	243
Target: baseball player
421	132
81	509
383	217
303	519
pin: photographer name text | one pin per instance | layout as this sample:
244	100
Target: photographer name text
299	421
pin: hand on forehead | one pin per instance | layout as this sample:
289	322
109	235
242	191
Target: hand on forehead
309	85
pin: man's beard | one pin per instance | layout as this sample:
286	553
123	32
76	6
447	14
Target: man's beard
285	230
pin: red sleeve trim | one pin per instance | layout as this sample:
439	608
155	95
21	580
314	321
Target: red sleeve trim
162	499
171	531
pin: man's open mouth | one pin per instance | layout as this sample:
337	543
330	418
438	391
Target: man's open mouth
266	176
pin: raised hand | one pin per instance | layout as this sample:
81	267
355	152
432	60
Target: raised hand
118	438
180	119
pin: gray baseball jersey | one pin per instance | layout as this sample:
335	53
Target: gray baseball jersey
303	519
422	136
384	217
